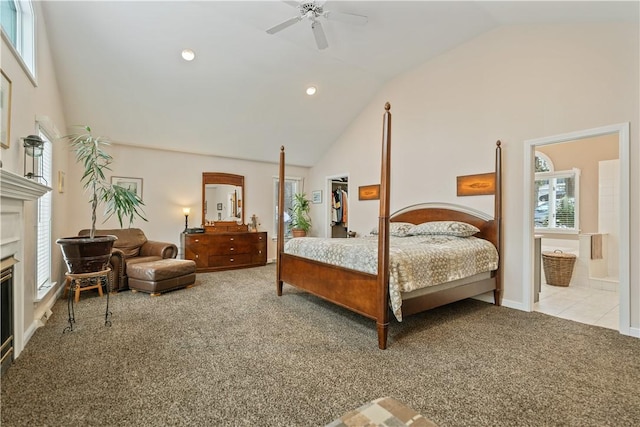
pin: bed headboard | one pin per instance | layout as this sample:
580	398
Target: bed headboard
425	212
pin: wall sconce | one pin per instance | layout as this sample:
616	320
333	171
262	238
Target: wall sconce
33	148
186	218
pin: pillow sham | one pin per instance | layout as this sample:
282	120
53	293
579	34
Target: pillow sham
448	228
396	229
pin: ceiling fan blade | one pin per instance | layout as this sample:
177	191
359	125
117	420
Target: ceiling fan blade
292	3
281	26
350	18
318	33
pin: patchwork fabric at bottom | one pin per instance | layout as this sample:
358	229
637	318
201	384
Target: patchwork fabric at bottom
383	412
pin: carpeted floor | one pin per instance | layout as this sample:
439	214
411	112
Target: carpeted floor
229	352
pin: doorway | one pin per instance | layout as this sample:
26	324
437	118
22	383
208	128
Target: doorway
622	248
337	205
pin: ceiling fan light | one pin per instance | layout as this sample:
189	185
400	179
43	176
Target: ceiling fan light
311	90
188	54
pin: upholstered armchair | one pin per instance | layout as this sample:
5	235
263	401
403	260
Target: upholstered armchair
132	246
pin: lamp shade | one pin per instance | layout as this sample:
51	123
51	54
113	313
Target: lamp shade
33	145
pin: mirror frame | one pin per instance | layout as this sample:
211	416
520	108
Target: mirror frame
225	179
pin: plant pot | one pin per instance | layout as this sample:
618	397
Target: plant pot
297	232
86	255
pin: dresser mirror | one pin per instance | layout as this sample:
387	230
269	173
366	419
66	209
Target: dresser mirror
222	199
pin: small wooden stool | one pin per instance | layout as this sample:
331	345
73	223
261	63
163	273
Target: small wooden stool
94	279
73	282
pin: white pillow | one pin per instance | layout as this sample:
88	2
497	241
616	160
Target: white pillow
396	229
448	228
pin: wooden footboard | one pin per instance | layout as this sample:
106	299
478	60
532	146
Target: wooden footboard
347	288
354	290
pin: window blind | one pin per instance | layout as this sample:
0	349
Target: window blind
43	268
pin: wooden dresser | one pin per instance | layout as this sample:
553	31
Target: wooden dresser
224	250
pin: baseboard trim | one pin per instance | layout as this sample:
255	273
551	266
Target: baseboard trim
488	297
41	316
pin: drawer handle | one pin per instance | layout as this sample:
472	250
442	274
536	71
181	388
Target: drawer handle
231	238
197	256
232	249
197	240
231	259
260	238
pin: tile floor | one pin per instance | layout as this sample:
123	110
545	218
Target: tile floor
592	306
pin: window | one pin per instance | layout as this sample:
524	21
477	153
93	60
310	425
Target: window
18	29
291	187
43	254
556	197
9	15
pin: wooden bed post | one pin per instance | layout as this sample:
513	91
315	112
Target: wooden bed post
497	293
280	235
382	317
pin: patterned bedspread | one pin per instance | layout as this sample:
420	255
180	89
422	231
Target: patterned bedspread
415	261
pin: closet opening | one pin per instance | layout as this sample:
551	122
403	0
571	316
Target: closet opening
338	206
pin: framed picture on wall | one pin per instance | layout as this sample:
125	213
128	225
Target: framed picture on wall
369	192
316	196
5	110
131	184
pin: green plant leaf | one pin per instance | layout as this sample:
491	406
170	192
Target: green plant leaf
118	201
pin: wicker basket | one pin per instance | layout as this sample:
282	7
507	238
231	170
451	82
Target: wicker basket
558	267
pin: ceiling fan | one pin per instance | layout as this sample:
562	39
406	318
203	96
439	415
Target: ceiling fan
312	11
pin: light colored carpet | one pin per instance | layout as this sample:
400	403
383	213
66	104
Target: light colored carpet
229	352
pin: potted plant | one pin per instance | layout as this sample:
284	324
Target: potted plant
300	219
90	254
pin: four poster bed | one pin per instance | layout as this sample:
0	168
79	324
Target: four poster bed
372	278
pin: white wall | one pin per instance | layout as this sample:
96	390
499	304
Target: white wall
31	101
515	83
172	181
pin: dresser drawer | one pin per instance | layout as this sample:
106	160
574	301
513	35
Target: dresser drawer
259	257
229	260
198	256
196	241
257	237
229	248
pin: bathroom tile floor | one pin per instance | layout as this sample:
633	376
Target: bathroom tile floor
585	305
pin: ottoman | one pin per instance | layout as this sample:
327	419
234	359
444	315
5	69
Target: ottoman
162	275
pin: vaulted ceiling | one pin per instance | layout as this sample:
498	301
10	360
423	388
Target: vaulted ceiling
119	66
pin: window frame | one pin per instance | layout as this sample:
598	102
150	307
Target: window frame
552	177
298	185
24	45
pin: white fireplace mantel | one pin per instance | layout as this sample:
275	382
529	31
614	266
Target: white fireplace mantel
14	186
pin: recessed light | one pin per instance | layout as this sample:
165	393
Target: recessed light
311	90
188	54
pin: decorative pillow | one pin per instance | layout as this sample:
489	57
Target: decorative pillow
449	228
384	412
397	229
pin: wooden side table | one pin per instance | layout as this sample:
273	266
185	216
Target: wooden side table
77	282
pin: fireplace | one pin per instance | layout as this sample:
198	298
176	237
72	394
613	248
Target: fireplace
15	191
6	313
